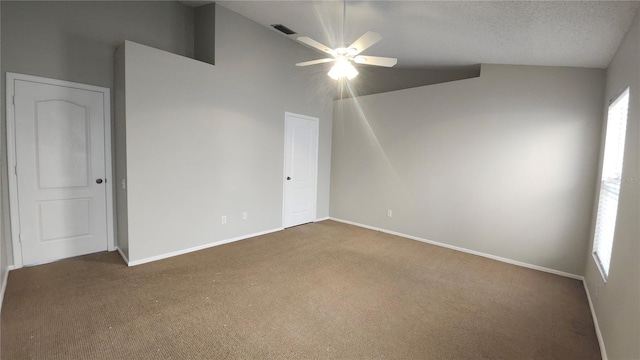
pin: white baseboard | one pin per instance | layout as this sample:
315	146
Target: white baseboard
4	284
322	219
603	351
196	248
457	248
122	255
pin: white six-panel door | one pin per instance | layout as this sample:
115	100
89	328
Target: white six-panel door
61	172
301	169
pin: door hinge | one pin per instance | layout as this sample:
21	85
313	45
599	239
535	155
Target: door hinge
20	237
13	101
15	169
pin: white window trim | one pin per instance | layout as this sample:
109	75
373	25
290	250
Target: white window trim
599	264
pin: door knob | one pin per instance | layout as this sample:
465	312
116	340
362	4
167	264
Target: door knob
288	177
99	181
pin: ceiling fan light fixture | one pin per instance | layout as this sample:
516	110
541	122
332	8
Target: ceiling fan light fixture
343	69
344	57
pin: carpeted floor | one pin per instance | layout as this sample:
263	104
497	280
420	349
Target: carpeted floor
322	290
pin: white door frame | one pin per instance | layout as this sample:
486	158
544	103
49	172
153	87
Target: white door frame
284	166
11	157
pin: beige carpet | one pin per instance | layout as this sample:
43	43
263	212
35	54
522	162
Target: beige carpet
323	290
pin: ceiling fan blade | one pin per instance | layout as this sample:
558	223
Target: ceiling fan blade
375	60
314	44
313	62
365	41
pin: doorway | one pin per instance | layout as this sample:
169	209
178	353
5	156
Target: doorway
300	169
59	151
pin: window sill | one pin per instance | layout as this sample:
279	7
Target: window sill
599	266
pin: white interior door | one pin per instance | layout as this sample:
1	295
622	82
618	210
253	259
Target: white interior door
60	170
301	169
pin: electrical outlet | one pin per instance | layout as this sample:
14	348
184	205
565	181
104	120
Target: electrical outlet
389	213
224	219
244	215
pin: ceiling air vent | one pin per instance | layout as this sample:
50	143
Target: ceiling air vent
283	29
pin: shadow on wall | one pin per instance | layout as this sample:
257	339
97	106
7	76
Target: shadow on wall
375	80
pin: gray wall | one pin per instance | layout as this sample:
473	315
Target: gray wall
205	141
3	228
75	41
205	34
375	80
503	164
617	301
120	139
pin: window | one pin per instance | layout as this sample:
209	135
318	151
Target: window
610	181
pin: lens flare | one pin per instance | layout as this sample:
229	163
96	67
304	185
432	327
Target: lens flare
343	68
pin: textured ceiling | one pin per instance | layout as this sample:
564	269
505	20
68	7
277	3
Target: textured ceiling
424	34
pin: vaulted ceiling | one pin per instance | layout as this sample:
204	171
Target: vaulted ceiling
429	34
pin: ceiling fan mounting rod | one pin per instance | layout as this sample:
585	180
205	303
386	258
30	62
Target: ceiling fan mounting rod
344	19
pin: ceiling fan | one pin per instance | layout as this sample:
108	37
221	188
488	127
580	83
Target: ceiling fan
344	56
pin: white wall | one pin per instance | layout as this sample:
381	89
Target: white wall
204	141
503	164
617	302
